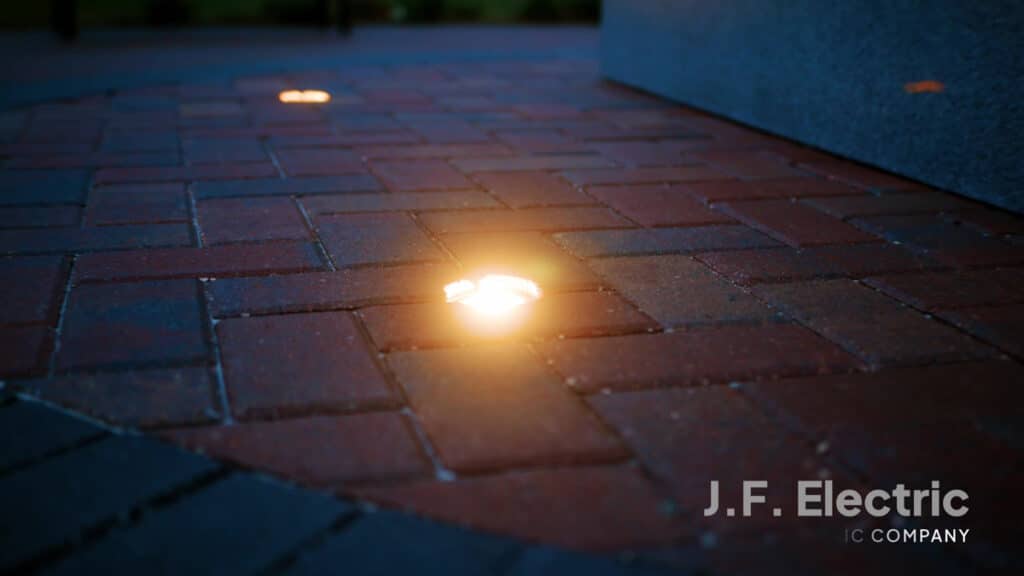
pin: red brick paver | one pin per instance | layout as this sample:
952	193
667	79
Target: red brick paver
795	224
134	323
679	291
989	221
43	186
398	202
726	190
184	173
869	205
998	325
688	436
748	267
541	142
24	349
419	175
698	356
432	151
223	151
658	205
277	187
537	219
934	290
662	153
643	175
312	291
860	176
39	216
299	363
498	407
749	165
859	260
585	508
137	204
353	239
939	392
869	324
249	219
29	293
663	240
529	163
952	432
97	159
64	240
335	450
445	130
143	398
522	189
198	262
942	240
319	162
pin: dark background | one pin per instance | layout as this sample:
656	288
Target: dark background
833	75
106	13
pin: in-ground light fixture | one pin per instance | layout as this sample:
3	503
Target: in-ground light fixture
304	96
492	303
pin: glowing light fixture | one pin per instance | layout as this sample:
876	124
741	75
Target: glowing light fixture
924	86
304	96
494	295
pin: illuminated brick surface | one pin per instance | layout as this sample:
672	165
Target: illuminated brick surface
263	282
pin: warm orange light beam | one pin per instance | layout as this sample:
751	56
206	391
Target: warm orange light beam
304	96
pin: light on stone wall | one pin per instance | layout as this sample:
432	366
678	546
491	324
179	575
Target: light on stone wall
924	86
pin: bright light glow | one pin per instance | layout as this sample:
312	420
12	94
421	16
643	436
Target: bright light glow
304	96
493	295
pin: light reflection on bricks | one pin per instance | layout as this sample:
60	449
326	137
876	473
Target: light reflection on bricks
715	299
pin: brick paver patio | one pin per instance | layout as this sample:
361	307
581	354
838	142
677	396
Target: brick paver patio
264	283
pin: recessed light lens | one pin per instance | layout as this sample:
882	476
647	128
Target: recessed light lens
304	96
493	295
